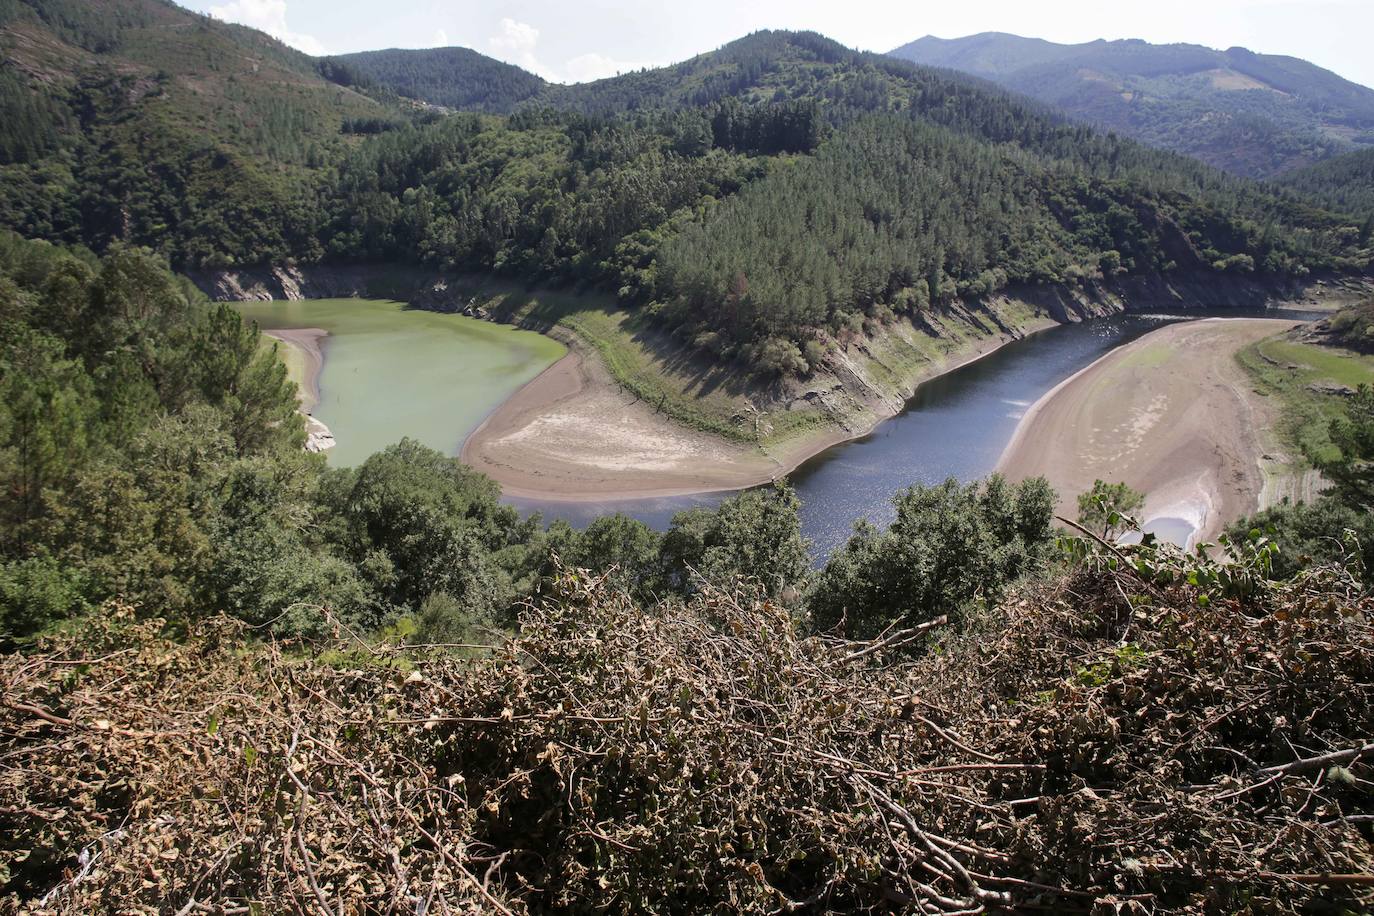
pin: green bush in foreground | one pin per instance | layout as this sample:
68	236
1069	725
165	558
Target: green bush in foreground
948	544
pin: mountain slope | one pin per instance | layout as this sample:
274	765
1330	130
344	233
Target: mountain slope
1344	184
1252	114
784	192
451	77
138	120
763	201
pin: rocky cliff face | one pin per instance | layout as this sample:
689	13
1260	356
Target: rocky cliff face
421	288
290	281
428	289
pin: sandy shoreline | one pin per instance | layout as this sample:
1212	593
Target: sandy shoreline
574	435
1171	414
307	344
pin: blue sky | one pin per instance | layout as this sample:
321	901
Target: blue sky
575	40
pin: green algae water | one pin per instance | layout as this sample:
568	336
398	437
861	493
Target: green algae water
391	372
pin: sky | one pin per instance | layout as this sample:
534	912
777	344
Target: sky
578	40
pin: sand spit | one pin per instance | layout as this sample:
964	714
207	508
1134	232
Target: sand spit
304	362
573	433
1172	414
307	344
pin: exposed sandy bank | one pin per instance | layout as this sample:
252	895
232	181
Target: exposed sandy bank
1172	414
574	434
304	359
305	343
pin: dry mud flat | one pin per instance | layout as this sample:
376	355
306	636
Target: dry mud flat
573	433
1172	414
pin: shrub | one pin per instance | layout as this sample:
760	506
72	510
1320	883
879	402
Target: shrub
948	544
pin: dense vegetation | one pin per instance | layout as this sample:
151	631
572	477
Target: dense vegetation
450	77
245	680
1252	114
763	200
955	191
137	121
151	450
1344	184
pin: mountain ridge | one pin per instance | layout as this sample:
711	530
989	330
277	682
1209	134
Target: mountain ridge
1256	115
759	200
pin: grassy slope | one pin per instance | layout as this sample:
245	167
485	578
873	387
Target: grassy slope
1287	370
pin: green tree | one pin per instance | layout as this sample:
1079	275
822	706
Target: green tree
617	544
35	593
756	535
420	522
1107	507
1352	473
948	544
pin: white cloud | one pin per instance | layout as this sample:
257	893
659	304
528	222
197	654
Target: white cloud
270	17
518	43
440	38
587	67
515	44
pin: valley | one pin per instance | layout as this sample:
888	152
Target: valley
621	424
430	486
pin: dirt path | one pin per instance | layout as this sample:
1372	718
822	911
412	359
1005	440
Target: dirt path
1171	414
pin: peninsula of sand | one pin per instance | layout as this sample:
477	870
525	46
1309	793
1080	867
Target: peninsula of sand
1173	415
574	433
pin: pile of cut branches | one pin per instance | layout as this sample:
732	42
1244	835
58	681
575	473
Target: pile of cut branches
1094	745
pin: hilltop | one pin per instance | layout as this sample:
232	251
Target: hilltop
458	78
1252	114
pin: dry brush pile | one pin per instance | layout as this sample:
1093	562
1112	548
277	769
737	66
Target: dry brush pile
1095	745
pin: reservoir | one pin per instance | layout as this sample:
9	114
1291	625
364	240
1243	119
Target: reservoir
955	425
392	372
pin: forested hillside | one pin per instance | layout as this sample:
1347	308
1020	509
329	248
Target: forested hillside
450	77
762	200
1252	114
137	120
1344	185
866	188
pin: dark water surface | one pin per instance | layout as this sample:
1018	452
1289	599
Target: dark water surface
954	426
